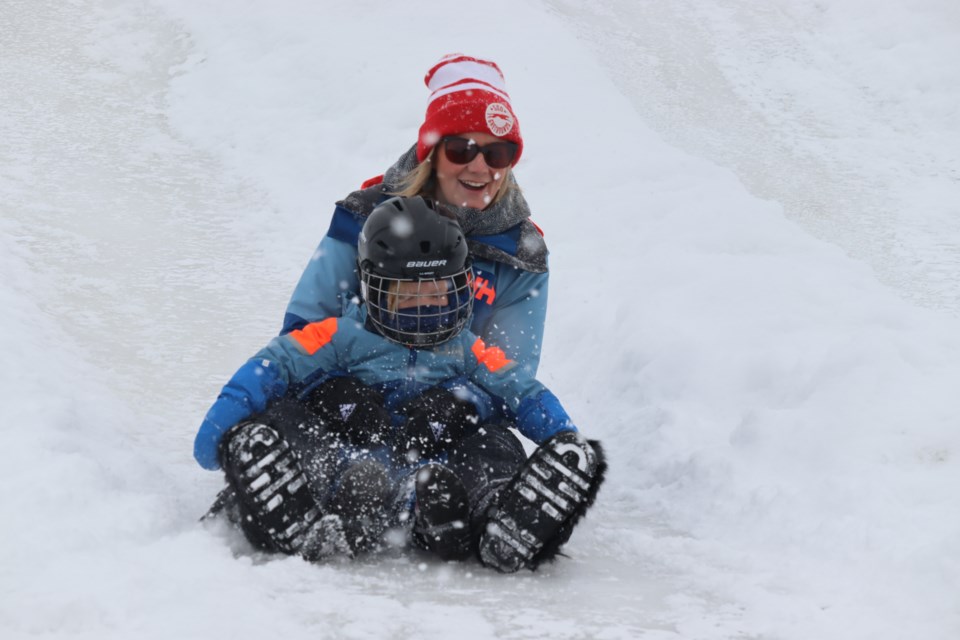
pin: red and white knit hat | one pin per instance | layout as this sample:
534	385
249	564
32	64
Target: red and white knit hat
467	94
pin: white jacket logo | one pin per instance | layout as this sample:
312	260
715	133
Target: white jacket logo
415	264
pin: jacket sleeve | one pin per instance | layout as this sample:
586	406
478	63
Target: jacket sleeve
539	414
519	315
249	391
515	322
262	379
330	278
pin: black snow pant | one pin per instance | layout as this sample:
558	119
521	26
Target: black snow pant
318	427
485	462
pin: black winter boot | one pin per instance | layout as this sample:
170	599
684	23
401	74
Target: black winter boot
276	508
534	515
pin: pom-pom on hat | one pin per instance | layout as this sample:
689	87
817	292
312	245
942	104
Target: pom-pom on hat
467	94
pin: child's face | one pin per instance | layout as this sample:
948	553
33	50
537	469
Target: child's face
430	293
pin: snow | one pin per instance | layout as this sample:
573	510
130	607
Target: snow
752	214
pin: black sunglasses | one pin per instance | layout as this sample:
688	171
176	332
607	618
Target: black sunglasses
497	155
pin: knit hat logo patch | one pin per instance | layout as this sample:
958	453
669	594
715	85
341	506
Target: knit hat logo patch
499	119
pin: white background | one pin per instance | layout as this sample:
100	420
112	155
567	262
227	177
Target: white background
754	217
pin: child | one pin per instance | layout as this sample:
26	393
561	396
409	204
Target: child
382	381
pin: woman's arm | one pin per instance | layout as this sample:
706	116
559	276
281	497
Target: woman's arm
329	279
510	308
512	314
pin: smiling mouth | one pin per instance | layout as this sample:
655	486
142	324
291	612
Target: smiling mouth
473	186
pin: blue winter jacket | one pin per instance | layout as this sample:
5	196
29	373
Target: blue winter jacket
305	357
511	297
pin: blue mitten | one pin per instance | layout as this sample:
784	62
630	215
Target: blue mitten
225	413
206	445
542	417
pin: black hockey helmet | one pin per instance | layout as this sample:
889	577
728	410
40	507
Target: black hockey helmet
414	240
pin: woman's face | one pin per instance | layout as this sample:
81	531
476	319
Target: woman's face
474	184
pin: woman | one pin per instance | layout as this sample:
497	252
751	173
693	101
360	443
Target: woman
400	347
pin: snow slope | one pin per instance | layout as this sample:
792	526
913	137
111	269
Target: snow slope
844	113
775	379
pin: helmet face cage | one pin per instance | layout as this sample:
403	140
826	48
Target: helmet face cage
401	319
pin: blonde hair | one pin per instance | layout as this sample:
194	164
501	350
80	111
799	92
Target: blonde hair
393	297
422	181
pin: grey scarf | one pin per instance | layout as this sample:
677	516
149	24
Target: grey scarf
508	212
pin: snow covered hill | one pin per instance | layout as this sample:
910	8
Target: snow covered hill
752	214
